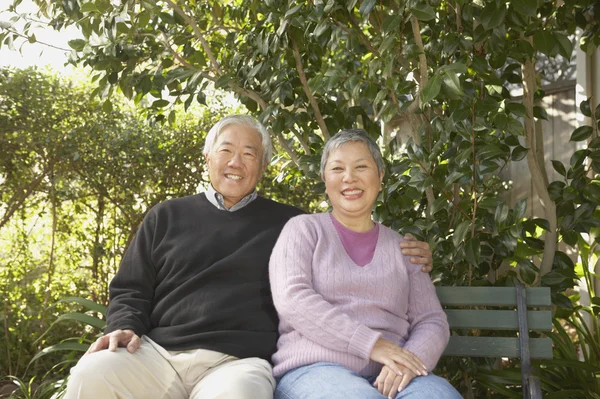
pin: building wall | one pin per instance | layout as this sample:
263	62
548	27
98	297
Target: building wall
560	106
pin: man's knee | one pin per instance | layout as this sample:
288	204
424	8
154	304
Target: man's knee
248	387
92	374
240	379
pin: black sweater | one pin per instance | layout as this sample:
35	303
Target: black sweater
196	277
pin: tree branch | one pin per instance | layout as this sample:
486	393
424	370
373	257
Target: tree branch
198	33
286	147
311	98
175	54
303	143
14	32
22	194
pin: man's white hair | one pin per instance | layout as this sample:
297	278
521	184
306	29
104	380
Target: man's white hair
245	120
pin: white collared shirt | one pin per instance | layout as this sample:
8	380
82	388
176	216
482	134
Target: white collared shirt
217	200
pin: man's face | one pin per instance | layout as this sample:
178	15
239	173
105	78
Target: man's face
235	162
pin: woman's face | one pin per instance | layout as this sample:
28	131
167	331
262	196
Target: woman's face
352	181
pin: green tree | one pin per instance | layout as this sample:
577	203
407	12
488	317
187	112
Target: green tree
437	71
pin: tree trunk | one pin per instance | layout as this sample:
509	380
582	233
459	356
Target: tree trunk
535	161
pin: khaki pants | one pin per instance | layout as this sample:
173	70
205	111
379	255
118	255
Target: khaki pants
153	372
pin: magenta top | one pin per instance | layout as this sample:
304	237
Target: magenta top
360	246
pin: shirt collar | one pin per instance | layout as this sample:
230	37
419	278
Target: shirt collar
217	200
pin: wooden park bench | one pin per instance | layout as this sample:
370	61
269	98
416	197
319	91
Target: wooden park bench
506	308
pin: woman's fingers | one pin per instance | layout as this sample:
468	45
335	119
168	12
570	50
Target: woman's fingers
405	380
411	362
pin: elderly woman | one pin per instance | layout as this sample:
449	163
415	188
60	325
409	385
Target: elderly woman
357	318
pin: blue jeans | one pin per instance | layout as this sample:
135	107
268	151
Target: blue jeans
332	381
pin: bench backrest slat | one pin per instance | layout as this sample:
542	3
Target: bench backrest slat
482	296
539	320
464	342
541	348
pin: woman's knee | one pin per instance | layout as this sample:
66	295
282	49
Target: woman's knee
323	380
430	386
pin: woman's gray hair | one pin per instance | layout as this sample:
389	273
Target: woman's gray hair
245	120
352	135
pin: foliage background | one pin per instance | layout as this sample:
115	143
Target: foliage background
440	73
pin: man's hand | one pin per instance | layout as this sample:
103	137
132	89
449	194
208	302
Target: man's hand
118	338
388	383
419	251
391	355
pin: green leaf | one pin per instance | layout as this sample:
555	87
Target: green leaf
89	7
501	213
520	209
570	237
491	151
320	28
473	251
451	80
160	103
452	177
255	70
431	89
367	6
517	109
292	10
492	16
543	41
585	108
581	133
91	305
423	12
554	279
527	8
77	44
565	46
223	81
82	318
559	168
592	192
65	346
391	22
518	153
107	106
528	271
540	113
460	232
387	43
456	67
543	223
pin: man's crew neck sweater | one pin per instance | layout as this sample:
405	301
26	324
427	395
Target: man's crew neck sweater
196	277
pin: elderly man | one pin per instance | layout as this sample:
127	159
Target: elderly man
191	313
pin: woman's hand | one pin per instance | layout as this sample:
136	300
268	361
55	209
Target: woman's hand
419	252
388	383
391	355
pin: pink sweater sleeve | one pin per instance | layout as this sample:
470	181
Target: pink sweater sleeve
429	331
297	302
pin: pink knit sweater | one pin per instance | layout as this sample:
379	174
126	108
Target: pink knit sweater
331	310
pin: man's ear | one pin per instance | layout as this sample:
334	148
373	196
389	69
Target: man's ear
381	180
